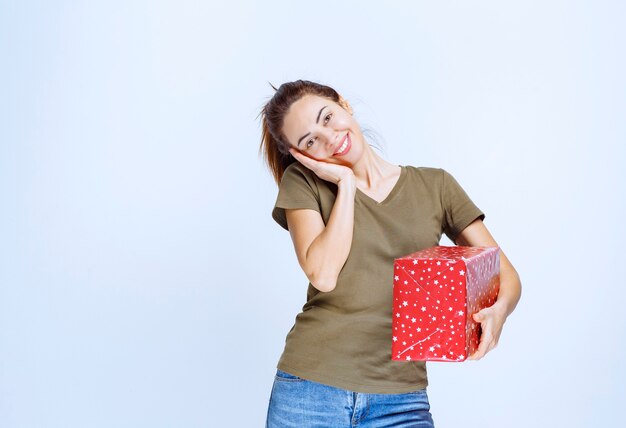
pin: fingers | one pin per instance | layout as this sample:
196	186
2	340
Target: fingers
296	154
482	315
486	345
488	339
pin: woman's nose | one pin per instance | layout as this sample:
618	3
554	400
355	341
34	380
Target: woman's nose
332	138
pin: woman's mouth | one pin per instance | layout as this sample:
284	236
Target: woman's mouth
345	147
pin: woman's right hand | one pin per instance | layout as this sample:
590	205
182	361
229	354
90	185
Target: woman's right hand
326	171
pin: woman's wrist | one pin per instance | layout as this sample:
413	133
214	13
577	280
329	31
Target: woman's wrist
348	181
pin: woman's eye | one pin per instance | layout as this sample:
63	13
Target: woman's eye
310	142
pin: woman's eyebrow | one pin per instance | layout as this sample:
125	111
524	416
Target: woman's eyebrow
316	121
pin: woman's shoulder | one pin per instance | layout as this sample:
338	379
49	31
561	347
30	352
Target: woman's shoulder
425	169
296	175
296	168
292	167
298	172
425	172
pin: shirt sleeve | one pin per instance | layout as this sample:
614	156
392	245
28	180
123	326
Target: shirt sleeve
459	209
297	189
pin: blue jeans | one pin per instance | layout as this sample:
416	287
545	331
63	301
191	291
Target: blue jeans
297	402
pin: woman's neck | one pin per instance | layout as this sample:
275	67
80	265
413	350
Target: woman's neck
372	169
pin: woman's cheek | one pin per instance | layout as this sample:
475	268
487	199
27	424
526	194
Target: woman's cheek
315	156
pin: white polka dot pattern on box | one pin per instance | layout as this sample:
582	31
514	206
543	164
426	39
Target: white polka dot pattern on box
435	293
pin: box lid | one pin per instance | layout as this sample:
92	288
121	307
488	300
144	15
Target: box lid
456	252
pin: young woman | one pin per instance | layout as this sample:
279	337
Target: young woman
350	213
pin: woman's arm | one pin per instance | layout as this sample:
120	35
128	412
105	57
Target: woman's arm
322	250
492	318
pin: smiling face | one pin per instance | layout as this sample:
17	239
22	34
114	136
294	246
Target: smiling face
324	130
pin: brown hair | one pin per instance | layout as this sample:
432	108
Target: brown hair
274	145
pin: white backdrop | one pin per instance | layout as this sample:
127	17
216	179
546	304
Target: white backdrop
143	282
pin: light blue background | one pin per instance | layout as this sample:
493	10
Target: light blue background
143	282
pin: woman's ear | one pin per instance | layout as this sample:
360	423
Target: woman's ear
343	103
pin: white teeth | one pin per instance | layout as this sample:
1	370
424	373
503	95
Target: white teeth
343	147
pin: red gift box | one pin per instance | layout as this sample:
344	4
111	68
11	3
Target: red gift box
435	293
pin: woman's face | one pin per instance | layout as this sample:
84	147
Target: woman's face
324	130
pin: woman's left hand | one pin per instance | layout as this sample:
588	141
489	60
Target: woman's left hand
491	320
